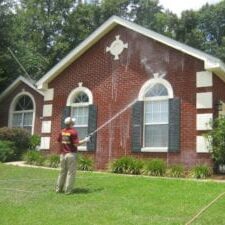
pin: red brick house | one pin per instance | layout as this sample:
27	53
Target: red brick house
21	106
146	94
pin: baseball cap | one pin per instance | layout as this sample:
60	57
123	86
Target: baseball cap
69	120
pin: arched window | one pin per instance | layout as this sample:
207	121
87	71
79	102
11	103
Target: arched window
22	112
156	116
79	111
79	101
155	94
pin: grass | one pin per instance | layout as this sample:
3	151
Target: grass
27	197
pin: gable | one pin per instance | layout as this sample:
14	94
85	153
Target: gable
15	84
210	63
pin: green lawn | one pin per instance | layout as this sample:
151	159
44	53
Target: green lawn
27	197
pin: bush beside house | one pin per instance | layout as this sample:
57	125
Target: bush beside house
14	142
216	139
7	151
158	167
52	160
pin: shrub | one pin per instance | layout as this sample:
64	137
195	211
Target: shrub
155	167
7	151
127	165
52	160
175	171
34	158
20	137
201	171
84	163
35	141
216	139
136	167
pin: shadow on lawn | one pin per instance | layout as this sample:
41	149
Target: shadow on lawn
86	190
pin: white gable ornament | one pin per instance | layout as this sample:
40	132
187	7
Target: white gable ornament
116	47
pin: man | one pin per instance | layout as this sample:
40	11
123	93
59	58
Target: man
69	140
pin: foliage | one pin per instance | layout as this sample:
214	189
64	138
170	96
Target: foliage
116	7
146	11
216	138
35	141
201	171
52	160
7	151
211	24
204	29
34	158
155	167
20	137
175	171
127	165
84	163
187	30
8	70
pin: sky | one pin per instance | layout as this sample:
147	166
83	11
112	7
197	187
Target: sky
177	6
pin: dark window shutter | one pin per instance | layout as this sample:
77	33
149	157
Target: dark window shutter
174	125
66	112
92	126
137	126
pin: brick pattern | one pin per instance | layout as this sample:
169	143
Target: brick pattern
5	106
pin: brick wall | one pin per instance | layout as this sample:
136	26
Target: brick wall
115	84
5	106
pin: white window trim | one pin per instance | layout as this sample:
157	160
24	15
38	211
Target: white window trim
141	97
12	107
154	149
151	82
77	90
79	104
82	148
71	104
74	105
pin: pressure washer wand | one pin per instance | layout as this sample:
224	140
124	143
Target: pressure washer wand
114	117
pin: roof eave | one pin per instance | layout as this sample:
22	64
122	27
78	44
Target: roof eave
211	63
42	84
15	84
218	68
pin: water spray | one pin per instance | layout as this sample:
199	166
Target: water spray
114	117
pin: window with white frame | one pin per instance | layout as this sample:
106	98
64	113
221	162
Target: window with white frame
22	113
156	116
79	111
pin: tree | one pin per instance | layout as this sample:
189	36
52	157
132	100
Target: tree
212	25
78	26
7	65
166	23
145	13
204	29
188	31
119	8
216	140
41	32
39	28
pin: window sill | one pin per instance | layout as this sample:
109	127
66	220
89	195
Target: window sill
147	149
82	148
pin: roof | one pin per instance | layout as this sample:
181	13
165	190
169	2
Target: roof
211	63
19	80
